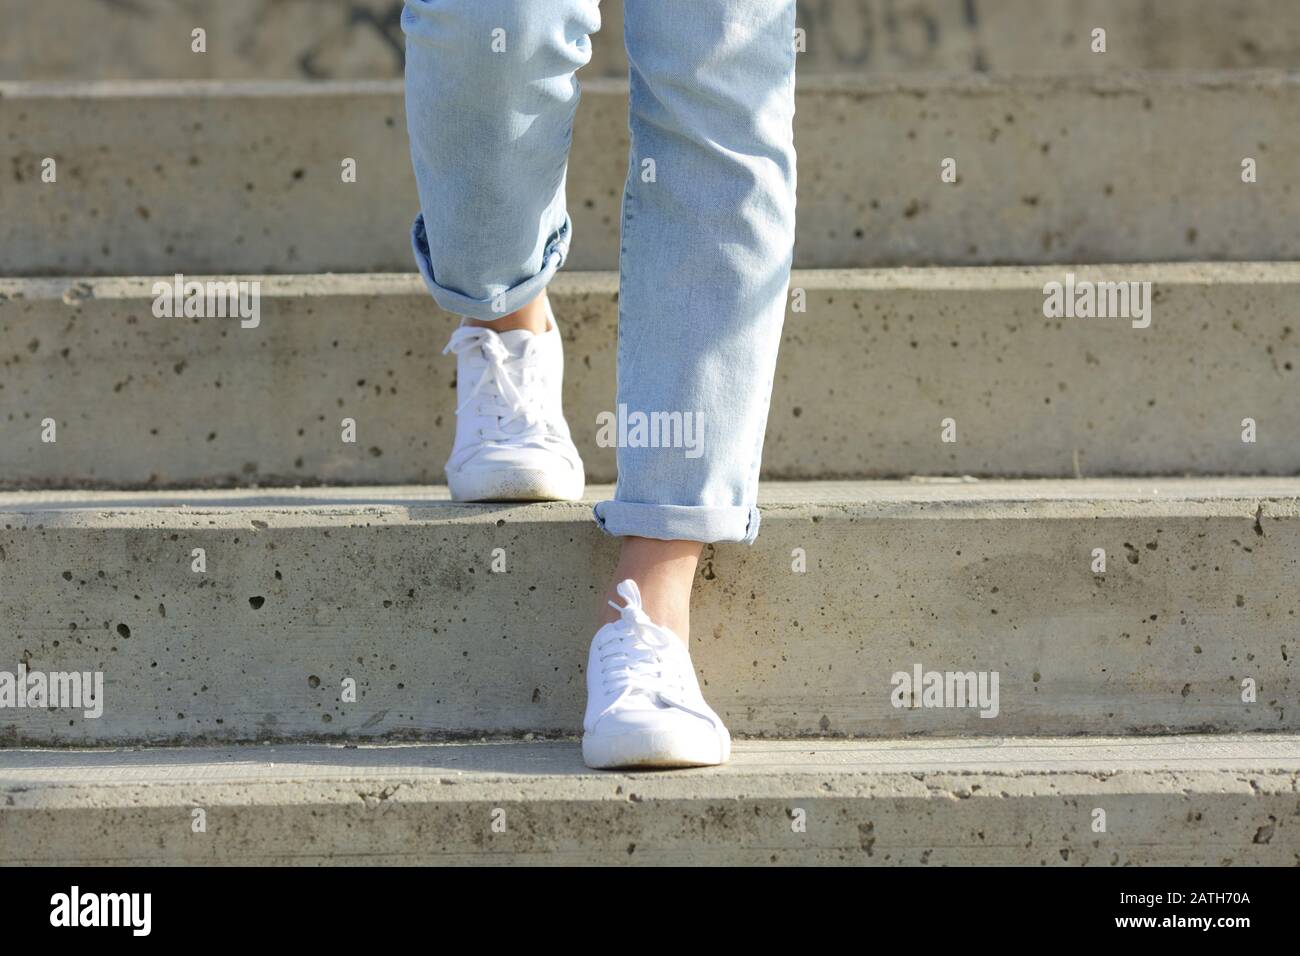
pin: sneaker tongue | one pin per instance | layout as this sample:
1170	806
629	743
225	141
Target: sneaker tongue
515	340
514	343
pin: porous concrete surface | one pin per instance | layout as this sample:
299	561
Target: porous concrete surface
847	585
871	363
362	39
1101	802
250	181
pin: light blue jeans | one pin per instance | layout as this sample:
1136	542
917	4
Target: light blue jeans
707	228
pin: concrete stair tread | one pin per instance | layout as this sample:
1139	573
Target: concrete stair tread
1174	800
543	763
1209	495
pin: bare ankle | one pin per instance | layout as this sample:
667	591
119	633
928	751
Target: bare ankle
664	572
533	317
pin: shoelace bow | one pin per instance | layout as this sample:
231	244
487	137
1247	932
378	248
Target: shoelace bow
508	403
633	657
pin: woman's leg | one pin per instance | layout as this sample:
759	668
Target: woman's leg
708	235
490	98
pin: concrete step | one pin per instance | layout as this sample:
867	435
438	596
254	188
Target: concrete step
867	374
362	39
818	629
247	176
1211	801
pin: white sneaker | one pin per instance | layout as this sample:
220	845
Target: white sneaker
644	706
512	443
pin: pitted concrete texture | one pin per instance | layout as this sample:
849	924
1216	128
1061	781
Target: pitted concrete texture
871	363
1191	627
362	39
1079	802
251	178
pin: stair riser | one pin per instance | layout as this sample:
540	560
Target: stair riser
362	39
866	376
1197	597
1050	170
896	820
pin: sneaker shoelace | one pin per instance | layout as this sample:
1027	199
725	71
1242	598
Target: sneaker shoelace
497	392
635	658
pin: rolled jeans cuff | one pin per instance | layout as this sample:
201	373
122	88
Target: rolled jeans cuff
678	522
493	307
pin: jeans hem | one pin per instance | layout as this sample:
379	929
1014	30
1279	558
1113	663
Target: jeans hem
678	522
493	307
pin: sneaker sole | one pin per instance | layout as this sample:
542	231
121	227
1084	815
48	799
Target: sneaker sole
654	751
515	484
